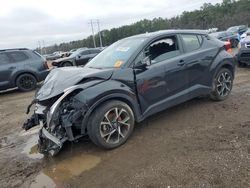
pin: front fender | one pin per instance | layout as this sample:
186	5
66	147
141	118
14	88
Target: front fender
108	90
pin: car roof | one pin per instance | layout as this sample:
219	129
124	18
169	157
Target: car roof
166	32
13	49
218	33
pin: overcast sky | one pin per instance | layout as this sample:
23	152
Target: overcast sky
25	22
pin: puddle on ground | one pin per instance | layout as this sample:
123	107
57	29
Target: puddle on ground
64	170
31	149
42	181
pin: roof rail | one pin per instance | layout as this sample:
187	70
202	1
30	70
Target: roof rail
13	49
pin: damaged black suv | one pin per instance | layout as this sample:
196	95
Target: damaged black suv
130	80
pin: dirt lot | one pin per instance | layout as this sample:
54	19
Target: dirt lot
197	144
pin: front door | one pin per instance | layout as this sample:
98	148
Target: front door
159	82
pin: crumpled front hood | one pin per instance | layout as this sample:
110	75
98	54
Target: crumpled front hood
62	78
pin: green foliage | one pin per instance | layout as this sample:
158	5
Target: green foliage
222	16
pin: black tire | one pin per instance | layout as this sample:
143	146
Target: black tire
98	125
67	64
222	85
26	82
240	64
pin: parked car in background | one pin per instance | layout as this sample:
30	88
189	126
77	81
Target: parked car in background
127	82
238	29
244	35
54	56
244	51
21	68
73	50
227	36
77	58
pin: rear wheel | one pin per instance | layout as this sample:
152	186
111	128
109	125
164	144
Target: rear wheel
111	124
240	64
222	85
67	64
26	82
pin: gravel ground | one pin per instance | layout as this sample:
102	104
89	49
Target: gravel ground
200	143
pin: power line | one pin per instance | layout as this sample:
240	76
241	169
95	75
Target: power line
99	31
93	34
100	36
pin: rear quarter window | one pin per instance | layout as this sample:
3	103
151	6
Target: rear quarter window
191	42
95	51
18	56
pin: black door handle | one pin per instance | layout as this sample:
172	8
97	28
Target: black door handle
181	62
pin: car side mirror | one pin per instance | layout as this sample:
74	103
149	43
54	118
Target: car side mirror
146	61
143	63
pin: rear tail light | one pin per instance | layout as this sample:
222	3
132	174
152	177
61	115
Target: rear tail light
227	46
45	65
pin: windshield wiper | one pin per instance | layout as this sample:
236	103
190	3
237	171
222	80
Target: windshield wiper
95	67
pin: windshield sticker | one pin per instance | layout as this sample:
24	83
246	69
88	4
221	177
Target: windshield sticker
118	64
122	49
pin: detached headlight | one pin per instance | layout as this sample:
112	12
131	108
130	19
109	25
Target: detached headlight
56	105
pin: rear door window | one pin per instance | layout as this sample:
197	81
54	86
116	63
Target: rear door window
191	42
4	59
18	56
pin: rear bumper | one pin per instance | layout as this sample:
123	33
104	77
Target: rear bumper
42	75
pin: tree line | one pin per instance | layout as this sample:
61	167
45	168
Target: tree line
221	16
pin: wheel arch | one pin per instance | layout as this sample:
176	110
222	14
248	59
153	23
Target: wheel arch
229	67
115	96
68	61
22	73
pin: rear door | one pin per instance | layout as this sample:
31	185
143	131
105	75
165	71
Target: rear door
197	59
83	57
94	52
6	69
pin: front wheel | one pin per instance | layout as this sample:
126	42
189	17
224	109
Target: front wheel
111	124
222	85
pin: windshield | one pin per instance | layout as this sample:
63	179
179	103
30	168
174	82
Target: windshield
233	29
117	54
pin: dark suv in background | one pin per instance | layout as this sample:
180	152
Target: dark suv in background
21	68
227	36
77	58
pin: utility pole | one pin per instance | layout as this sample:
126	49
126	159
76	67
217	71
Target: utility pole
39	47
93	34
44	48
100	36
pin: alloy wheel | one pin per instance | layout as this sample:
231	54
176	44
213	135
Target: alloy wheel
26	82
115	125
224	84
